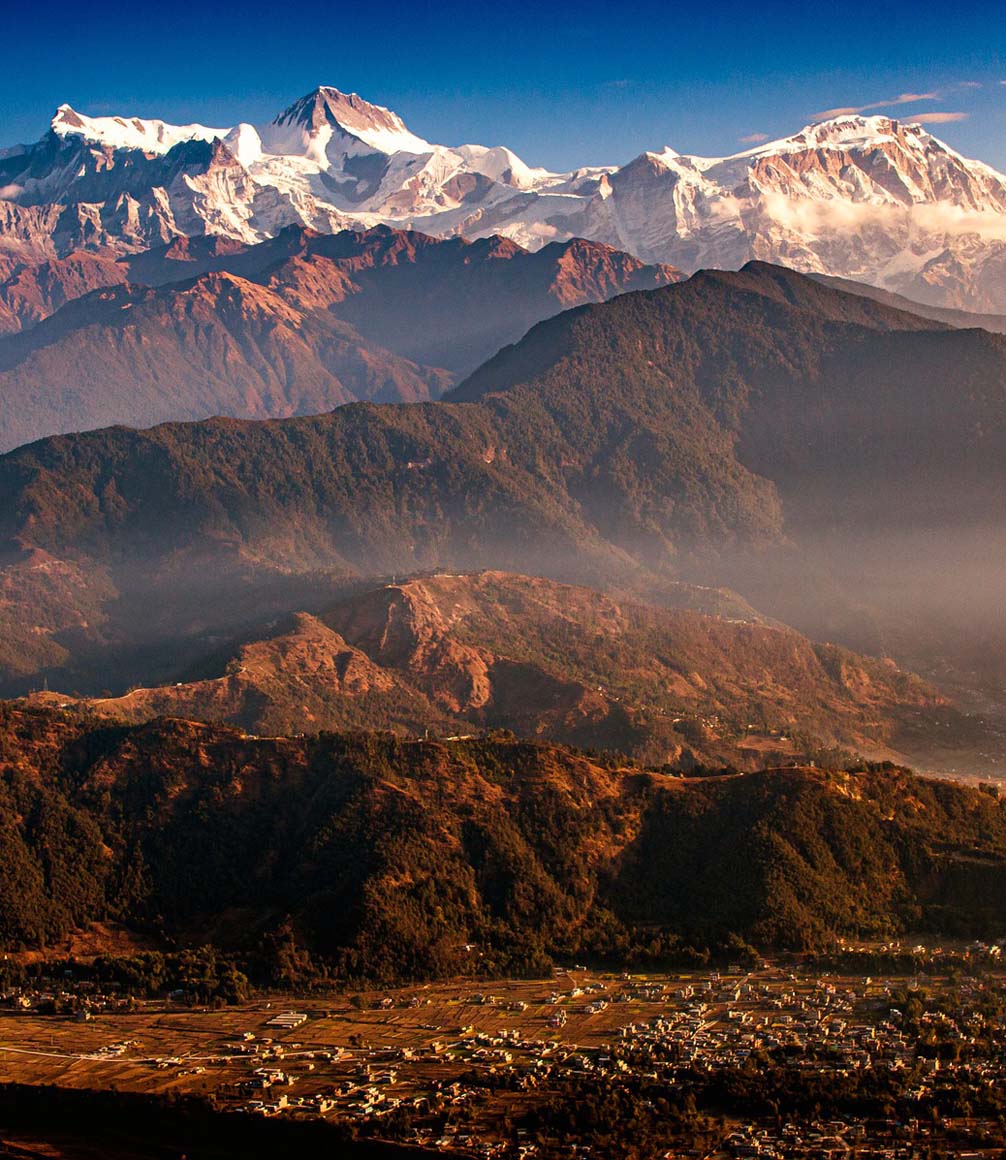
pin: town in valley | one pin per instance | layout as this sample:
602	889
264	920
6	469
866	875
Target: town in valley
787	1058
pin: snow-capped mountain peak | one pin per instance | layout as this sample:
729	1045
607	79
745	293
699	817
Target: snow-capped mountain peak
150	136
501	164
863	197
853	131
327	110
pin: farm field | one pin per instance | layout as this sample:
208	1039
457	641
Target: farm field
471	1068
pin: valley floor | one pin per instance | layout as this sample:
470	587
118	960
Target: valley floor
777	1060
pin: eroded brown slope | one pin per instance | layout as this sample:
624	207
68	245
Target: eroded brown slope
494	650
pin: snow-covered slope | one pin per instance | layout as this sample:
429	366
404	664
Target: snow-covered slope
132	133
880	201
867	198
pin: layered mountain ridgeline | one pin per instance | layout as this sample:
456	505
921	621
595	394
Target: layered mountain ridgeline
882	434
456	654
961	319
862	416
296	325
622	434
587	484
452	303
756	428
649	426
361	854
869	198
395	287
218	345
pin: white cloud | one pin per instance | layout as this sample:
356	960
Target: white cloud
938	118
753	138
919	227
900	99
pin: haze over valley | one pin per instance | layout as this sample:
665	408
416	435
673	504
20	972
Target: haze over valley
503	659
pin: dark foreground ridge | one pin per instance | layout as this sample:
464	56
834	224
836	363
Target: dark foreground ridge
134	1126
351	855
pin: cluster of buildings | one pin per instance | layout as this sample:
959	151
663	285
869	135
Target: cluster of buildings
680	1028
931	1032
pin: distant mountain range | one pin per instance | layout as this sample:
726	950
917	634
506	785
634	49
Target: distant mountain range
859	414
295	325
961	319
882	435
756	429
694	464
865	198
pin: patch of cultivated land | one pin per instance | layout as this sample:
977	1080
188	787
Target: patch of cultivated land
471	1068
419	1034
428	1018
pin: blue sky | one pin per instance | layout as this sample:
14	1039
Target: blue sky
561	84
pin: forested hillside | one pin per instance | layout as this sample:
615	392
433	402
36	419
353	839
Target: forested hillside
361	854
837	462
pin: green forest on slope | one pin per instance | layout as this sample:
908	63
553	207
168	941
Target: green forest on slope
351	855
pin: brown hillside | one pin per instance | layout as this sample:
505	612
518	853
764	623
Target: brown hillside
488	651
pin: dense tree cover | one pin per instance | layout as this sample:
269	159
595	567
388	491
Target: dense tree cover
843	404
352	855
199	975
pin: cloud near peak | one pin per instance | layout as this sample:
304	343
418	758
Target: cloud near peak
900	99
938	118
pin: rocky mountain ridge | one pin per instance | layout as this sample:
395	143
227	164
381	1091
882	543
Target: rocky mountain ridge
866	198
458	654
295	325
